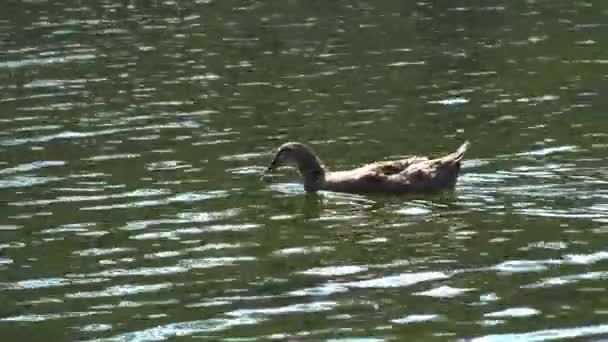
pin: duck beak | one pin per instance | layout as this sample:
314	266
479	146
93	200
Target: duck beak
269	169
273	164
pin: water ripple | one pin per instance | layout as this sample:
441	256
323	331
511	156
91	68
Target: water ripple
549	334
121	291
133	136
401	280
46	317
182	329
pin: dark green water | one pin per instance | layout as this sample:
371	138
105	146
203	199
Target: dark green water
133	134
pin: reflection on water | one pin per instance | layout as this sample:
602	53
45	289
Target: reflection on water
133	136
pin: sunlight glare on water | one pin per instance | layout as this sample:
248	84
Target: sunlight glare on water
134	137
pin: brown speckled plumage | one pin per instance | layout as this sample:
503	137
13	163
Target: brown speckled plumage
411	175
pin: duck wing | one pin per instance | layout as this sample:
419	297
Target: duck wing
381	176
391	167
434	174
415	174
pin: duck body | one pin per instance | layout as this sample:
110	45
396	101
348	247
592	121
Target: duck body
410	175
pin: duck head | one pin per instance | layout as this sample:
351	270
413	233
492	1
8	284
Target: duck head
303	157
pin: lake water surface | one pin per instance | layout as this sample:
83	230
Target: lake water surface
133	135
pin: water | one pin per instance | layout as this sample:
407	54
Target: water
133	136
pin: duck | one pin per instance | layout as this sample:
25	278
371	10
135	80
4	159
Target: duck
417	174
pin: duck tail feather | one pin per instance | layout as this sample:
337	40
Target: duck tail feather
459	154
463	148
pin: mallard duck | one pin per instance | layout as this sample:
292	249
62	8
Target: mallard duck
410	175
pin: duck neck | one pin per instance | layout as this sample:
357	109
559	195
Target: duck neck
313	172
313	179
